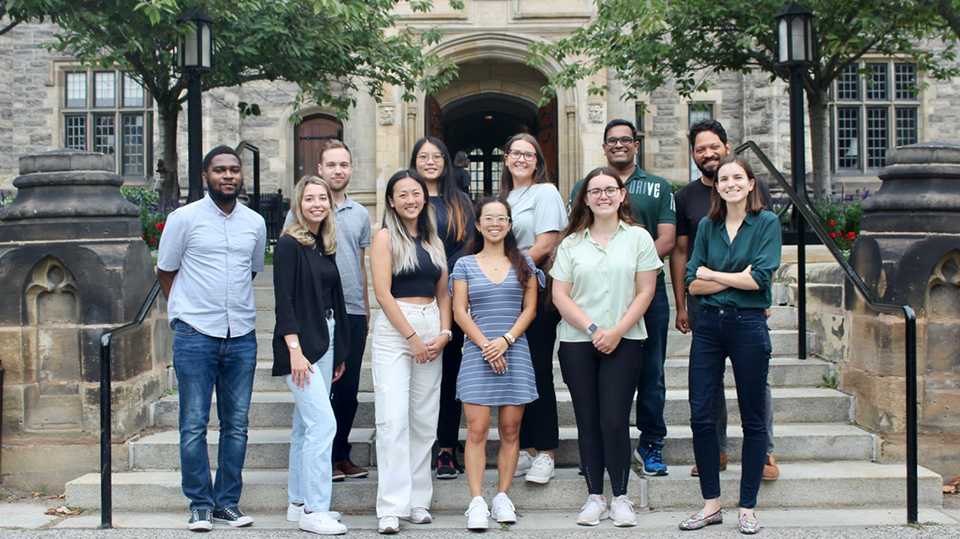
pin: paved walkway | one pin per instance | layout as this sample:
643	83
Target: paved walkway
26	519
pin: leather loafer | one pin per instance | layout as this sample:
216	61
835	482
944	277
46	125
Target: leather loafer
723	465
697	521
770	470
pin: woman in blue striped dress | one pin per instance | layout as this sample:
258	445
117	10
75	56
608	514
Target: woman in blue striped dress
494	300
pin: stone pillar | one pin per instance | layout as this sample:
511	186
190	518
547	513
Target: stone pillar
909	253
72	265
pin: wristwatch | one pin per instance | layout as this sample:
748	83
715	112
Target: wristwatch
448	332
294	345
591	328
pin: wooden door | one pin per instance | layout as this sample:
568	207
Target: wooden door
547	137
434	118
310	135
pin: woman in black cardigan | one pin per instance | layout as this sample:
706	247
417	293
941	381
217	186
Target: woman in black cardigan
309	347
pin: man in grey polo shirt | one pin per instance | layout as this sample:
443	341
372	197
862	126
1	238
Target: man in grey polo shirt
353	238
210	252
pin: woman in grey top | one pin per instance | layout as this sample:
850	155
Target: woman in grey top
538	217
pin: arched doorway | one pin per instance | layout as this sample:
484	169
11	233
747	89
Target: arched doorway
490	102
309	136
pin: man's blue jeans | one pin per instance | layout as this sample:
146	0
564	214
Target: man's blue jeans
202	364
743	336
651	387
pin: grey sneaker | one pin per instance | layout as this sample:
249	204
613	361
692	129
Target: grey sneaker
388	525
621	511
593	511
201	520
524	461
502	509
542	469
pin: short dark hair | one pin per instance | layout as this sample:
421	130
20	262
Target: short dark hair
620	121
219	150
461	160
706	125
332	144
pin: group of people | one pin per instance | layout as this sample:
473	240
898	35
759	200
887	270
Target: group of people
473	300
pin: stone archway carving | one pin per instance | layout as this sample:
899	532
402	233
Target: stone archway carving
941	371
53	316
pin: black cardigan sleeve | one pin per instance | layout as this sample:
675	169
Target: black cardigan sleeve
286	263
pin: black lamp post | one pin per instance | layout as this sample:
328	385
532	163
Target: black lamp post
795	53
195	57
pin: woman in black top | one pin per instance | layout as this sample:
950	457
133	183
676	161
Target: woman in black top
409	272
454	212
309	348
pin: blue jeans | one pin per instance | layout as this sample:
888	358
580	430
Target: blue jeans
743	336
651	387
344	391
202	364
310	477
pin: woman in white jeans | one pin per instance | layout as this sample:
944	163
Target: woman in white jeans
409	271
309	345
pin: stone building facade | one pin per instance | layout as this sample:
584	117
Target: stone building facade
495	96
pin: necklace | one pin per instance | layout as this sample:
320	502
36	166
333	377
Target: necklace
496	267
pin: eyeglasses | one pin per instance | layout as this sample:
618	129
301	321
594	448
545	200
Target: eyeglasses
490	219
527	156
435	157
612	141
609	191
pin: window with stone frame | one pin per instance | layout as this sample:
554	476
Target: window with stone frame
875	108
107	111
696	112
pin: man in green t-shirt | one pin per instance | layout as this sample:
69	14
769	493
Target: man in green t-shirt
651	202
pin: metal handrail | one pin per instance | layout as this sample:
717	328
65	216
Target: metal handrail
910	319
106	452
256	171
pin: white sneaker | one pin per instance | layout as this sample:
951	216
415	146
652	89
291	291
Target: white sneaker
419	515
294	512
541	471
524	461
321	522
502	509
621	511
477	514
593	511
389	525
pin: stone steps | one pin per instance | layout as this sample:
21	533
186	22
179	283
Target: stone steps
784	372
269	448
790	405
827	484
784	343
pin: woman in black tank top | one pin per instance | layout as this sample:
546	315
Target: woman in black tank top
409	271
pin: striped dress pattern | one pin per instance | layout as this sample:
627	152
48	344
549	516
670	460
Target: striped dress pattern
495	308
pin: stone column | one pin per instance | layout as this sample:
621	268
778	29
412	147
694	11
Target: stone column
909	253
72	265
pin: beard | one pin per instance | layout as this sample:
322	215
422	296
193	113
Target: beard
222	197
707	173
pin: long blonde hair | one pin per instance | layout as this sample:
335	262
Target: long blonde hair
402	246
298	228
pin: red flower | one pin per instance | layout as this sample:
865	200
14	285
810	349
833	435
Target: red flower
144	236
833	234
831	223
851	235
159	226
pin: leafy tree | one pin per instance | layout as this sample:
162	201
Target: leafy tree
652	43
329	48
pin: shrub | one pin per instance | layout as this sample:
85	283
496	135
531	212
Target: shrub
6	198
153	213
839	214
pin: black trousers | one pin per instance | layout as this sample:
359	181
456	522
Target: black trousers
539	428
343	393
448	425
602	388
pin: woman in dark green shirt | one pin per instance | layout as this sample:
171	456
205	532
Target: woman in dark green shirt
730	271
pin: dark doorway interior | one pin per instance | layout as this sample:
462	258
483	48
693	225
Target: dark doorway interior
481	124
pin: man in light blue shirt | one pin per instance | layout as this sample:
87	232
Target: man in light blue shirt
210	251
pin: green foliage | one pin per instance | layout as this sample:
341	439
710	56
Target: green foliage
840	216
153	213
652	43
676	186
6	198
829	382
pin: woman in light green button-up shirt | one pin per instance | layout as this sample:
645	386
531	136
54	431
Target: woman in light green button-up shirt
605	274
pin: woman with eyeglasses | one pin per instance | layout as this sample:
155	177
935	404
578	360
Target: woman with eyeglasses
410	282
730	271
494	301
538	217
604	278
452	210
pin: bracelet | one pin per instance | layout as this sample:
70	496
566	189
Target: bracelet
506	340
510	338
411	335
